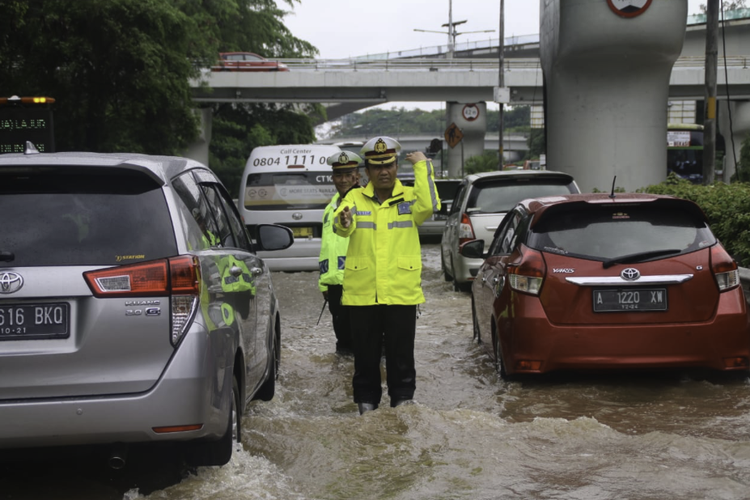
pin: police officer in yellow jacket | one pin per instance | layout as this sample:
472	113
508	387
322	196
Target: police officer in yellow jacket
333	249
382	277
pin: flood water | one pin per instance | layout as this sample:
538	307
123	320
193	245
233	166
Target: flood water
471	435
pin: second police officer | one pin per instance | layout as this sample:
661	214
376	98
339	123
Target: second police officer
383	270
333	249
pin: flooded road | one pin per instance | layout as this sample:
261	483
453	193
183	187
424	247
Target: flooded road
471	435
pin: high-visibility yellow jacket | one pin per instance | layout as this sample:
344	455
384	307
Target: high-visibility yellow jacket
384	259
332	250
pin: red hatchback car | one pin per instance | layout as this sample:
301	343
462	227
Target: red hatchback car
599	282
247	61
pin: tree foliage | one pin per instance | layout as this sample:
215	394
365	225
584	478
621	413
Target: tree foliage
237	130
400	121
486	162
727	6
120	70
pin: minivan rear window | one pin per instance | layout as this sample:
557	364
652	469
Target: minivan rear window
502	195
609	232
82	216
289	190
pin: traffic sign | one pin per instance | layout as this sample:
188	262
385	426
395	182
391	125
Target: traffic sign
453	135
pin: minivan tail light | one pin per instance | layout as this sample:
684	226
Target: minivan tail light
176	277
725	269
465	230
528	275
144	280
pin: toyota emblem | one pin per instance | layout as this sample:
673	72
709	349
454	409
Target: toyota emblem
630	274
10	282
297	216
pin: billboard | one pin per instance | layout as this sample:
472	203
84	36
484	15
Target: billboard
26	119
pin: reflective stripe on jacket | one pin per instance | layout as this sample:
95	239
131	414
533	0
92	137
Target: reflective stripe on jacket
332	250
384	261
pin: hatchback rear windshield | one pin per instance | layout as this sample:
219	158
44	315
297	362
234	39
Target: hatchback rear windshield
502	195
82	216
289	191
602	233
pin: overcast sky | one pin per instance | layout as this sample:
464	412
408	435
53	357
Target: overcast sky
350	28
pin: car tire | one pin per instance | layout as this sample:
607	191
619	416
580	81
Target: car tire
219	452
475	322
446	276
499	363
267	391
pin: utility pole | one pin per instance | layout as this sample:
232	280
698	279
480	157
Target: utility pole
501	83
709	115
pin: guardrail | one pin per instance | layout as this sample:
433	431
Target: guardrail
458	64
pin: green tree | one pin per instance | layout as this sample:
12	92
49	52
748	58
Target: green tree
486	162
727	6
120	69
399	121
537	143
238	129
743	165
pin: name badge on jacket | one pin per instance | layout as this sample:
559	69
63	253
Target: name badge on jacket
404	208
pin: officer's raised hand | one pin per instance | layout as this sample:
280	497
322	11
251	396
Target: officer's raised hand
346	217
415	157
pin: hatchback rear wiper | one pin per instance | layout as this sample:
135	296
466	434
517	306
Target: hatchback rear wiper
638	257
7	256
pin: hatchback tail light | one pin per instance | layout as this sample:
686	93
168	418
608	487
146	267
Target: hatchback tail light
465	230
725	269
177	277
528	275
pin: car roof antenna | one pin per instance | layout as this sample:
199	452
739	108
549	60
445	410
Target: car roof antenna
612	194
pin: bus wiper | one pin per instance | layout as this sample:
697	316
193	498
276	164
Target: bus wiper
7	256
638	257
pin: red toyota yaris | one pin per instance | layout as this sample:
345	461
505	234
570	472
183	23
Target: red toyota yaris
594	281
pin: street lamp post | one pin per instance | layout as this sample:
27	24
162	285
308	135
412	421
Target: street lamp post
501	83
452	34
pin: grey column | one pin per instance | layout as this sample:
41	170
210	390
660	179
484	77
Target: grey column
734	135
471	119
198	150
606	85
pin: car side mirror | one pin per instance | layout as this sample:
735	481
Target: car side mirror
473	249
274	237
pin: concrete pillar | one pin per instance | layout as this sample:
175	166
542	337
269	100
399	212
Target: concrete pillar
607	84
471	120
198	151
739	131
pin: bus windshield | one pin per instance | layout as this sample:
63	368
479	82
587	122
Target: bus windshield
289	191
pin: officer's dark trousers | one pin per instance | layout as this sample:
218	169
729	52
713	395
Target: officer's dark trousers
373	327
340	318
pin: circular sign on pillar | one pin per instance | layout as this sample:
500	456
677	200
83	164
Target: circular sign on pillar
470	112
628	8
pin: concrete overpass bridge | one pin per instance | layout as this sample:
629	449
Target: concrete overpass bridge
471	76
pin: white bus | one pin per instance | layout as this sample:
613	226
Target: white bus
289	185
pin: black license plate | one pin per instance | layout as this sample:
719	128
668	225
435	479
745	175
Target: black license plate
34	321
630	300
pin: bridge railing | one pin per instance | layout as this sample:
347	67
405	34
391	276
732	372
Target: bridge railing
460	64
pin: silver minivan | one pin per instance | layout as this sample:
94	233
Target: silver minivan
133	306
480	203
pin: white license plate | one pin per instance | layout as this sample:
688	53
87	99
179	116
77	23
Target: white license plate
630	300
